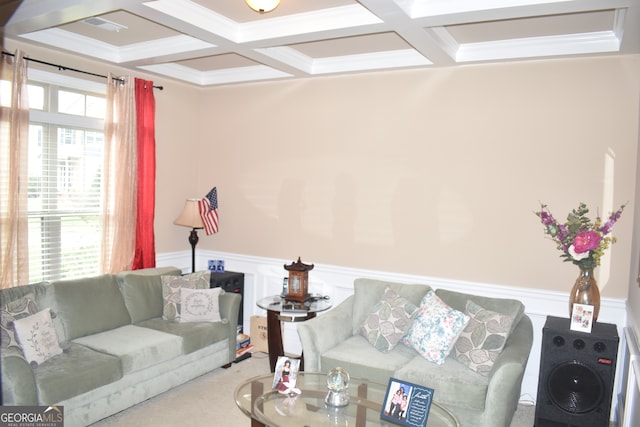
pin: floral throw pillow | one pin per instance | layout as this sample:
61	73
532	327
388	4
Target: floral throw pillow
9	313
388	321
482	341
200	305
171	286
435	328
38	337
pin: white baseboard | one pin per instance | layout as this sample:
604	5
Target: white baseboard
263	277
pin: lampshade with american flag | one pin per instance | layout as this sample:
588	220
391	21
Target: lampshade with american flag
209	211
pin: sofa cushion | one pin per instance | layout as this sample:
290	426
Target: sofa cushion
368	292
510	307
90	305
451	381
200	305
43	296
137	347
361	361
435	328
9	313
388	321
37	337
142	291
78	370
171	286
482	341
42	293
194	335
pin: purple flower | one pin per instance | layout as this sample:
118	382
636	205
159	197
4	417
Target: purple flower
546	218
608	226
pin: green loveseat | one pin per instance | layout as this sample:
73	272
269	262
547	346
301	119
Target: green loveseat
117	349
333	339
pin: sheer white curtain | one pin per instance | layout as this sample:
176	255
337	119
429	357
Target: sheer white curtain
14	141
119	215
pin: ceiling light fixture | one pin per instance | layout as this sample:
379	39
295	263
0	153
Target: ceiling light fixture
263	6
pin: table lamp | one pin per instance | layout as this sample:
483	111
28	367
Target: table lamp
190	217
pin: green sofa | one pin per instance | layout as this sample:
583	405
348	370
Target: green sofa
117	349
333	339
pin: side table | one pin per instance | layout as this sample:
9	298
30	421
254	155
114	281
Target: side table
280	310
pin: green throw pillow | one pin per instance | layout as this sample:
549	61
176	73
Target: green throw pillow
483	339
388	321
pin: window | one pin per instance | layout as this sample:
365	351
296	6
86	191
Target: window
64	170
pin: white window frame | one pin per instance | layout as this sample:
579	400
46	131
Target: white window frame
71	121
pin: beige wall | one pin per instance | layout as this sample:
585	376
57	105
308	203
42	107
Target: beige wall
432	172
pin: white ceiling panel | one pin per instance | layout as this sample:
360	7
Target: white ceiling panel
214	42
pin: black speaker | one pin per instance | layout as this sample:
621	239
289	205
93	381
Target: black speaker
233	282
577	371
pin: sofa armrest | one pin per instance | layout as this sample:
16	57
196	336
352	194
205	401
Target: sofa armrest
325	332
18	382
229	308
505	379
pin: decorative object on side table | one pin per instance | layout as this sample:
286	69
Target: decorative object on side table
338	384
582	242
298	281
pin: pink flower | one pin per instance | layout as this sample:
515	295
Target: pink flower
585	242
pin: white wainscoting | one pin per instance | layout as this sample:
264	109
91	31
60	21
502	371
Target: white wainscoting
628	408
263	277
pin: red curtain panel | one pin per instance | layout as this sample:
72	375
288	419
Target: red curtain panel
145	253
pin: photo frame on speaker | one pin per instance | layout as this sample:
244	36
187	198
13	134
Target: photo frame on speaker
582	318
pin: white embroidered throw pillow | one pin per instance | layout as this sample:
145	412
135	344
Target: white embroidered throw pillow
38	337
200	305
171	286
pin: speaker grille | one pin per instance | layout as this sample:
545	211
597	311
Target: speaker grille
575	388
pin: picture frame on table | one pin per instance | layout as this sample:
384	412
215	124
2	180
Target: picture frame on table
285	375
582	318
406	404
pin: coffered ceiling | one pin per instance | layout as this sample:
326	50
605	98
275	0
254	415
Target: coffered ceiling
214	42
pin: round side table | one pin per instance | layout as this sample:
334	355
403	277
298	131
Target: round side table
280	310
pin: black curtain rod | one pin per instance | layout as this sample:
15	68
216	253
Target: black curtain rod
63	68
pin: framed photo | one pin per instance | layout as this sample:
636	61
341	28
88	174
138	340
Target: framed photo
582	318
285	375
406	403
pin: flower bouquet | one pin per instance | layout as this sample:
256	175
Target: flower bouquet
582	242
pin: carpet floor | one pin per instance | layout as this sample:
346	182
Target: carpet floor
208	401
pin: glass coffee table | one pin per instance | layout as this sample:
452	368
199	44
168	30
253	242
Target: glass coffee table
267	407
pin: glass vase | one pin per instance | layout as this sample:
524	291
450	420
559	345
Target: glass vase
585	291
